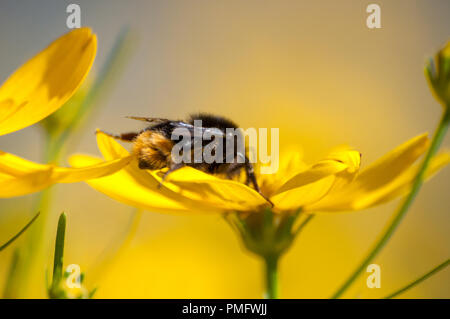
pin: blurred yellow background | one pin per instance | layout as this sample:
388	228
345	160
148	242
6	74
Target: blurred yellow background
313	69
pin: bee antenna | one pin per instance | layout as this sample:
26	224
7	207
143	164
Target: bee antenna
139	118
146	119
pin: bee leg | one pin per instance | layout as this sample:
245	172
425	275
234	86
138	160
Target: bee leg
252	178
234	169
172	168
125	137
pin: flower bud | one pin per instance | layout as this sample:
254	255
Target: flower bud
437	72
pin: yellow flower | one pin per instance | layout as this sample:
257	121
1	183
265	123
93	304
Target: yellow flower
333	184
297	191
36	90
46	81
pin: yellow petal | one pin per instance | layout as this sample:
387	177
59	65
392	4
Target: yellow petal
333	164
304	195
311	175
20	177
222	193
351	158
401	185
380	173
343	178
44	83
109	147
192	187
136	190
11	186
74	175
291	164
314	183
394	163
16	166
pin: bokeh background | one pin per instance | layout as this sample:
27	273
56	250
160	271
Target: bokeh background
311	68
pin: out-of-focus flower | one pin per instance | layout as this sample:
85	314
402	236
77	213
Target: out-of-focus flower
36	90
46	81
438	74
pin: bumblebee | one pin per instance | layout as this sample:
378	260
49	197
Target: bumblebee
153	146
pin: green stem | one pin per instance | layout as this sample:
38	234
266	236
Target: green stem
271	268
59	251
11	274
420	279
303	224
405	205
33	248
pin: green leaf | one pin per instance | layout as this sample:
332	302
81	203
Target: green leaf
9	242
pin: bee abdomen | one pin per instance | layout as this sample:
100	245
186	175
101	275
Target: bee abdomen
153	150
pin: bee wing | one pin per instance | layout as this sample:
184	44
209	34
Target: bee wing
198	129
148	119
179	124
